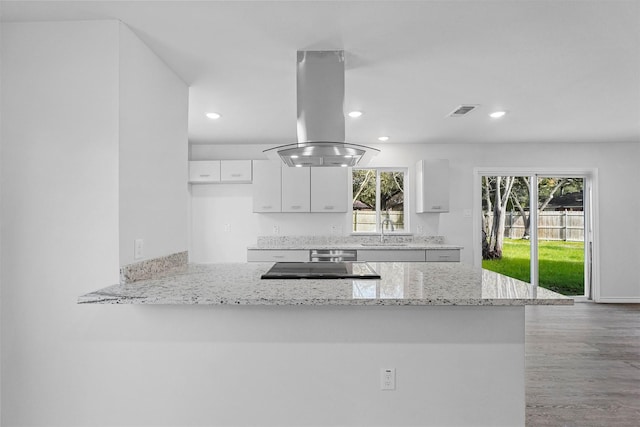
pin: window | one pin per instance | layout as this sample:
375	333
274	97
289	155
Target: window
379	197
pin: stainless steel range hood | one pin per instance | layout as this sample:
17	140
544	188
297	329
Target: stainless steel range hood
321	134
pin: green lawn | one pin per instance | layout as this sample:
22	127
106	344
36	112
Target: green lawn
561	266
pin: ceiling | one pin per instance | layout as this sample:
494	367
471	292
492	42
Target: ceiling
565	71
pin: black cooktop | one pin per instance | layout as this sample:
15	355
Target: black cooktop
321	270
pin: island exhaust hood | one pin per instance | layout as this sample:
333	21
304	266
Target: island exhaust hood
321	130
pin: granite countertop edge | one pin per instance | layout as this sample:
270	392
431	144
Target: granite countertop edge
233	284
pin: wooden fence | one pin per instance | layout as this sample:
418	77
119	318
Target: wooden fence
552	225
366	220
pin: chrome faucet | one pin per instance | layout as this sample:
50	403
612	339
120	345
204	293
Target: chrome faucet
382	224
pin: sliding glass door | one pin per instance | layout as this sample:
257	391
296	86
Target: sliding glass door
546	243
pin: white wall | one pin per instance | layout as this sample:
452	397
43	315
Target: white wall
62	124
153	153
60	204
617	207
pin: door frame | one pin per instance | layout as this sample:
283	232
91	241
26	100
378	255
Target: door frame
591	231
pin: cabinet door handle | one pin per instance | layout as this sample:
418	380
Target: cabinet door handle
328	208
278	256
436	207
296	207
204	176
236	175
267	207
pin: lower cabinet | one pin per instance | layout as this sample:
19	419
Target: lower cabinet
443	255
277	255
377	255
371	255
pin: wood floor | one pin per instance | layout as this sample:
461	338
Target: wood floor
583	365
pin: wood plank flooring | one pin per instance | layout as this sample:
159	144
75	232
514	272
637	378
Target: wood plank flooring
583	365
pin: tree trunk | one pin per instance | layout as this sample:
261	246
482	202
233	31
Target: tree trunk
500	200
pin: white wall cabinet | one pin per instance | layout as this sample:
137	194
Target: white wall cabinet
237	171
267	186
296	189
432	185
329	189
204	171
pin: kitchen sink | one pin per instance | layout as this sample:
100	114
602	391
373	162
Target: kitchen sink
383	244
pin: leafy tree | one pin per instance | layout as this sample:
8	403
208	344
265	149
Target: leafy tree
500	194
391	188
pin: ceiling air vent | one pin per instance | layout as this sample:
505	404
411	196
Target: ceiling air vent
463	110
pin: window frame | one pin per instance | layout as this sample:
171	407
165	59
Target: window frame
406	200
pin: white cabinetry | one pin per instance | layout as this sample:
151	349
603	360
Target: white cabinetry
432	186
267	186
443	255
204	171
277	255
329	189
235	171
380	255
296	189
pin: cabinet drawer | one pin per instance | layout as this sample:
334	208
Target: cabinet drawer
277	255
204	171
235	170
443	255
374	255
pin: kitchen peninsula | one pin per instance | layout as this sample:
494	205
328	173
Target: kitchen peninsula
452	334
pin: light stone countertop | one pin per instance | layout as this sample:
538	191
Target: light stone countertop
401	284
361	242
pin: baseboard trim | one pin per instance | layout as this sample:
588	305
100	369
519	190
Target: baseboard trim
619	300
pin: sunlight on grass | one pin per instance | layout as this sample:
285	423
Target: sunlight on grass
561	264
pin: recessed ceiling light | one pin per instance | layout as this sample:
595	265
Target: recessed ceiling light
343	165
213	116
497	114
298	166
355	114
383	138
294	156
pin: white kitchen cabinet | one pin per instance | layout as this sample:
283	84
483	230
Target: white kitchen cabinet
391	255
329	189
237	171
443	255
296	189
267	186
432	186
204	171
277	255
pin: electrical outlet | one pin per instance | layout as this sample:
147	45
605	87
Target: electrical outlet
227	227
467	213
138	248
388	379
276	229
419	229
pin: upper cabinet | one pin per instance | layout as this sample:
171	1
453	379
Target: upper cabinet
329	189
296	189
278	188
267	186
219	171
204	171
235	171
432	186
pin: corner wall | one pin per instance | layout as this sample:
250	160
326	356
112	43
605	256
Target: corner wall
153	152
